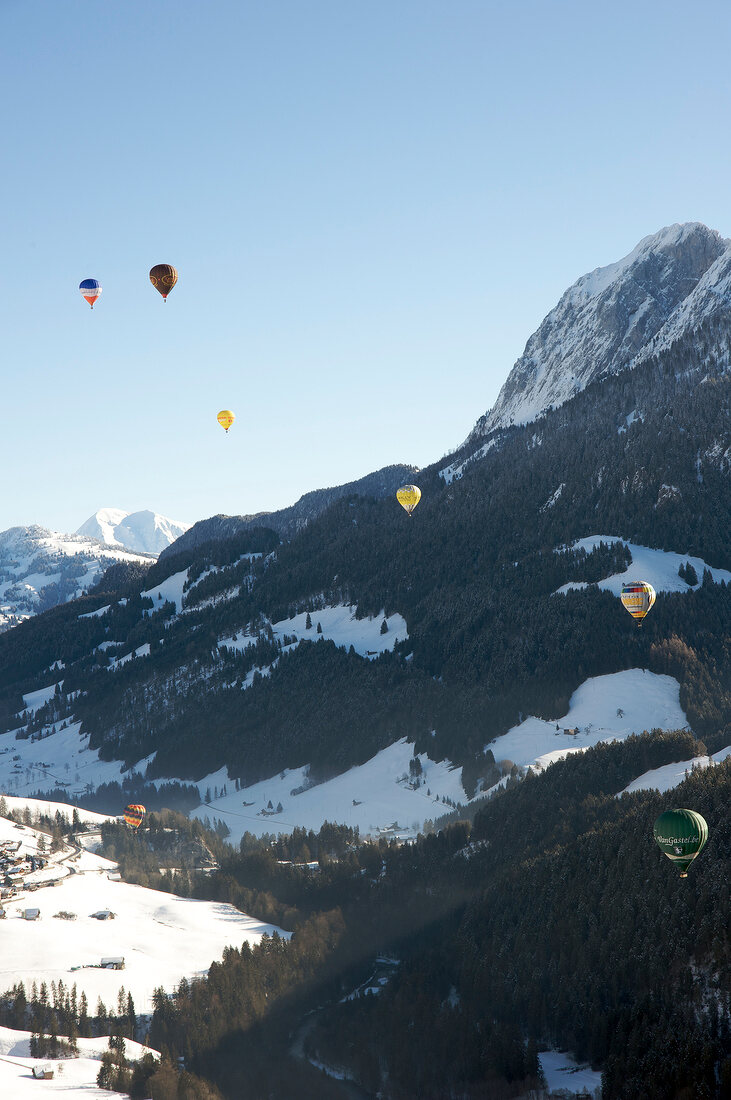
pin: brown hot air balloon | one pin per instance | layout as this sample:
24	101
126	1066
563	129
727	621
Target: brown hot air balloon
163	277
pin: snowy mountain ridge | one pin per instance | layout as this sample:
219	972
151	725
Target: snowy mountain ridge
41	568
614	317
145	532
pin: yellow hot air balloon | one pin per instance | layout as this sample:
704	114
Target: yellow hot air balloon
408	497
638	597
225	418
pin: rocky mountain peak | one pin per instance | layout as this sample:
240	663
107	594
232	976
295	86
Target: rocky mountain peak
609	318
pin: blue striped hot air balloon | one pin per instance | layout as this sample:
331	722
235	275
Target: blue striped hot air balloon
90	289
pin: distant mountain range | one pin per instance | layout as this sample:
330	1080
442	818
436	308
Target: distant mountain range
144	532
40	568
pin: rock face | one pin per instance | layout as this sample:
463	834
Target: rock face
612	317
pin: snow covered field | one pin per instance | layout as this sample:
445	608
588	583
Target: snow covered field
162	938
61	760
373	796
604	708
670	775
658	567
563	1072
74	1077
340	625
378	794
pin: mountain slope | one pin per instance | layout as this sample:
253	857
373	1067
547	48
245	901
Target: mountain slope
287	521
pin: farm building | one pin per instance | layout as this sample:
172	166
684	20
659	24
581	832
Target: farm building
113	963
31	914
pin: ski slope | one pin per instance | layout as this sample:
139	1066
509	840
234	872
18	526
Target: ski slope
338	624
378	797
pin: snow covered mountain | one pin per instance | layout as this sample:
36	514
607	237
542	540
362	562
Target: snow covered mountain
145	532
41	568
614	317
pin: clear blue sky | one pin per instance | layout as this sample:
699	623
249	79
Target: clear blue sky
371	207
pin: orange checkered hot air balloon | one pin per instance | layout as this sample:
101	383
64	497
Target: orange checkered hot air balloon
134	815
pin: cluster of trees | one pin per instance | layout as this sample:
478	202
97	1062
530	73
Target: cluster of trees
50	1013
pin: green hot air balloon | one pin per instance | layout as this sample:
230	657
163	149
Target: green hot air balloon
682	835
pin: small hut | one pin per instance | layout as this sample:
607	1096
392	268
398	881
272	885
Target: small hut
113	963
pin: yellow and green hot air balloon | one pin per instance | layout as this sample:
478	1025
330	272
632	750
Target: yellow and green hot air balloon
134	815
163	277
638	597
682	835
408	497
225	418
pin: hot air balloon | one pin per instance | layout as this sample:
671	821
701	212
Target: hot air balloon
163	277
225	418
134	816
90	289
638	597
408	497
682	835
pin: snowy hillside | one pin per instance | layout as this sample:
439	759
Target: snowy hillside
604	708
382	797
671	775
41	568
613	316
162	937
144	532
73	1077
658	567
